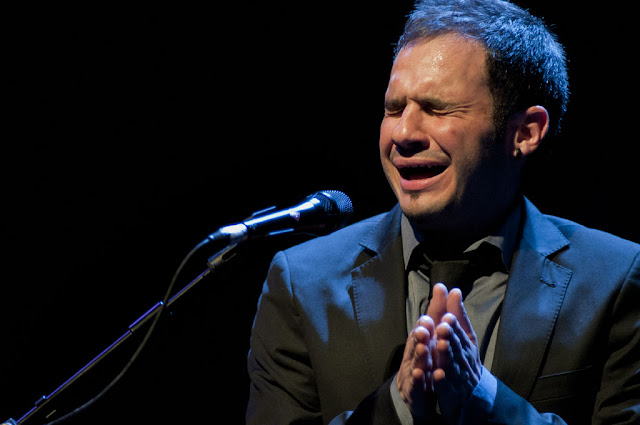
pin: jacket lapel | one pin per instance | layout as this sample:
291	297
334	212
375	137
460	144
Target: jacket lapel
535	293
379	295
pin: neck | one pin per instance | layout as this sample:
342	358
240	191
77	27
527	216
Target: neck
442	241
439	246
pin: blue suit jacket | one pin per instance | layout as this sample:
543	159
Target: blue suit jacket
331	322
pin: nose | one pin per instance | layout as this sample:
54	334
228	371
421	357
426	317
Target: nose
409	135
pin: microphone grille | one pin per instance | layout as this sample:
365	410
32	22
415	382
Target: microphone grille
338	205
336	199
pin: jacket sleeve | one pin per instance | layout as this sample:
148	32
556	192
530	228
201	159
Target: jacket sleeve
282	381
509	407
618	400
618	397
282	388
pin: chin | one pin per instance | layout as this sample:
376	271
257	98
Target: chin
422	208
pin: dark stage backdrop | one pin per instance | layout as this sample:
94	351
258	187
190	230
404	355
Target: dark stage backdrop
134	133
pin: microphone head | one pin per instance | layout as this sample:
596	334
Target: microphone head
337	205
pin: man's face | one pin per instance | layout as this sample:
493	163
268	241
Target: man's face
437	137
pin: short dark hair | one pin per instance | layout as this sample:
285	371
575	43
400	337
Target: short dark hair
526	64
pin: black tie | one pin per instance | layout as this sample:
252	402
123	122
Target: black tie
460	272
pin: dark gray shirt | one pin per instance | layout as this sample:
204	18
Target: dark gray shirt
483	303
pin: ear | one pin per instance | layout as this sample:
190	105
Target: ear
530	127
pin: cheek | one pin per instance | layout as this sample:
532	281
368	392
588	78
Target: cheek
480	167
449	135
465	143
385	143
386	146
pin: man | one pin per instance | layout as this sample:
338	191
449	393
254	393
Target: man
537	323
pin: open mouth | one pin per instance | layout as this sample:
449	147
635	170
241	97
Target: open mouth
421	172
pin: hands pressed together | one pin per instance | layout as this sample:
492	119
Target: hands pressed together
441	362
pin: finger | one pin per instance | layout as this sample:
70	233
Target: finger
418	334
438	376
409	348
427	323
416	359
424	336
453	341
461	343
422	362
414	379
405	379
445	355
438	304
461	361
455	306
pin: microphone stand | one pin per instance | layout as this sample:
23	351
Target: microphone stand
214	262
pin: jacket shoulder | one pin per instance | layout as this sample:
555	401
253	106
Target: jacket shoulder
332	257
595	252
592	238
338	244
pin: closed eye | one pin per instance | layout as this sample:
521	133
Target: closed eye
431	106
394	107
436	106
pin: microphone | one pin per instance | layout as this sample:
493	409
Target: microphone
320	213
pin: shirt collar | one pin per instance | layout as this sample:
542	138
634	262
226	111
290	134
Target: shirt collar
411	238
505	238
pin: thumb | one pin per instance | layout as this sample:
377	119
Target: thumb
438	304
456	307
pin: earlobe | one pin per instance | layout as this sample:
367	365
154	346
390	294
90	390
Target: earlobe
533	126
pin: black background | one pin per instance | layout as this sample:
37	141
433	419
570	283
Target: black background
131	134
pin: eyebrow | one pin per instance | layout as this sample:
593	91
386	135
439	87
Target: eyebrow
394	104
